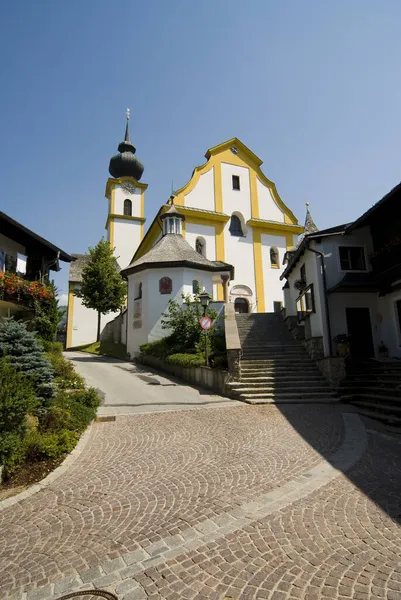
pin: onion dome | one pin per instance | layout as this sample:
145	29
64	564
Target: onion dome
126	164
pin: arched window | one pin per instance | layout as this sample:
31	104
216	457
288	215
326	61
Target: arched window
274	257
236	226
127	208
195	286
200	246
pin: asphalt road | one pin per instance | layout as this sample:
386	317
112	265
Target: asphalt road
132	389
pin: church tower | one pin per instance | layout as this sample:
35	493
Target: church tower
126	195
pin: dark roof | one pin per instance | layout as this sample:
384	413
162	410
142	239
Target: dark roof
173	251
356	282
293	256
24	236
78	263
126	163
366	215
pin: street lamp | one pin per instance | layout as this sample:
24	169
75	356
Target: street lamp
204	300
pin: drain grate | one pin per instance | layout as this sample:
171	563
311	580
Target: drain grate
89	595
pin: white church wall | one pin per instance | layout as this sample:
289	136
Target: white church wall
120	195
204	279
268	209
271	275
208	232
236	200
202	196
127	237
239	252
137	313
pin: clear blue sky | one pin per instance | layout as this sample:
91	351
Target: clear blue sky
312	87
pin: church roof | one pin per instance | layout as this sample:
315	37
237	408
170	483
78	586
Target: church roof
174	251
126	163
78	263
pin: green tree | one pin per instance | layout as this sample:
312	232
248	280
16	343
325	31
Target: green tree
47	317
183	321
102	287
25	353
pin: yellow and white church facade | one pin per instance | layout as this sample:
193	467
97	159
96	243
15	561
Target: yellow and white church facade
233	213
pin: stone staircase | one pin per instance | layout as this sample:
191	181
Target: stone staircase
275	367
374	388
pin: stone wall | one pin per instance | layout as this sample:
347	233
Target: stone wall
233	343
333	369
213	379
314	347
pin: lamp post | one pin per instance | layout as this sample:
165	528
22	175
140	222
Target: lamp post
205	301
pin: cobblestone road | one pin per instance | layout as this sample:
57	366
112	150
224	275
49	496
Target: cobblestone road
243	501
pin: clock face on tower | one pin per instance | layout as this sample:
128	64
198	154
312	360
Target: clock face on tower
128	187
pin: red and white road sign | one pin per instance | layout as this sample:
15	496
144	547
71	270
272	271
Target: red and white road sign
205	323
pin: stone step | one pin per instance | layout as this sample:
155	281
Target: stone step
372	391
290	388
271	367
250	399
325	393
379	416
385	408
370	397
284	377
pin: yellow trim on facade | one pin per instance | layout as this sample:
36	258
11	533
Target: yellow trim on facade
184	229
218	188
126	218
220	254
274	227
70	315
111	184
254	194
289	239
193	215
258	267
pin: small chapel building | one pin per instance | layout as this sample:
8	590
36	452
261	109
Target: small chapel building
230	214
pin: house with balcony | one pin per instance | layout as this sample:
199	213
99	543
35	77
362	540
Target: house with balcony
26	260
343	284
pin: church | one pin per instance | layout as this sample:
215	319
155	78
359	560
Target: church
229	214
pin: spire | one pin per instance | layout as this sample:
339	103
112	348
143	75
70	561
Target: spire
126	163
127	116
310	226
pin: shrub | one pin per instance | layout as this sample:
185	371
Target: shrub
17	398
26	354
186	360
159	348
52	347
41	446
65	375
183	321
73	411
219	361
88	397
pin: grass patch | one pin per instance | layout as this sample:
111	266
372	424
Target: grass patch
104	348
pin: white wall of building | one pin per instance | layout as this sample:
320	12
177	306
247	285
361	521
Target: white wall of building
268	209
389	329
155	304
84	323
202	196
127	237
120	195
208	232
239	252
236	200
272	284
338	304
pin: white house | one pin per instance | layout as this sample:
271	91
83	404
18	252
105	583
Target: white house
346	280
168	270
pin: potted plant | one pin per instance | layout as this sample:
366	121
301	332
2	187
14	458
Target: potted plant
342	342
300	284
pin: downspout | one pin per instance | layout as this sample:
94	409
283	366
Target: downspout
326	299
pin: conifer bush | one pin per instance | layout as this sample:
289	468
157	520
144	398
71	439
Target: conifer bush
25	352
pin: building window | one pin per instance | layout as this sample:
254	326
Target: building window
352	258
138	295
127	208
305	303
302	273
236	182
165	285
236	226
195	286
200	246
274	257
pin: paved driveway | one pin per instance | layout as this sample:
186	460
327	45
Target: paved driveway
132	389
280	503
